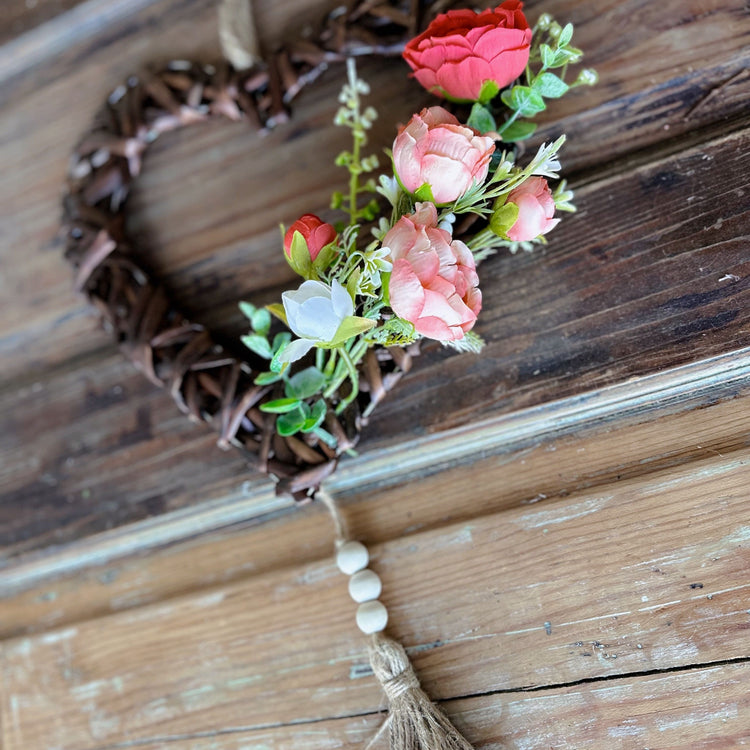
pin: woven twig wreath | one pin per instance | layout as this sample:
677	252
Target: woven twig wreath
209	384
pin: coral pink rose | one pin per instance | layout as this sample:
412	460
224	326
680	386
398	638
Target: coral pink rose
434	280
536	207
461	52
316	232
435	149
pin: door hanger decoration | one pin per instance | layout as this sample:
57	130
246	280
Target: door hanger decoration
400	265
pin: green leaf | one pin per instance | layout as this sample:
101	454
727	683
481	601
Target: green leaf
424	193
325	257
524	100
305	383
276	364
352	283
247	309
261	321
518	131
258	344
277	310
548	56
289	423
280	405
280	340
565	35
488	91
503	219
351	326
299	256
550	86
266	378
316	417
481	119
385	282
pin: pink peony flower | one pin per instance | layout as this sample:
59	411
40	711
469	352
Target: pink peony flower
434	280
461	51
434	148
316	232
536	207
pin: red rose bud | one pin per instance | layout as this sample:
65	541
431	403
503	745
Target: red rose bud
316	233
468	56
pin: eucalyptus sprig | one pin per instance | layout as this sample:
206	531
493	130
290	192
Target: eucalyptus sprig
551	49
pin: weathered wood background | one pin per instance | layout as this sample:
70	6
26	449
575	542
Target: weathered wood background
561	523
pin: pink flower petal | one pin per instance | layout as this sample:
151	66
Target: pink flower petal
434	328
406	293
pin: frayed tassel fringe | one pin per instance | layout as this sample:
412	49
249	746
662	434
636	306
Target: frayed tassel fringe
414	721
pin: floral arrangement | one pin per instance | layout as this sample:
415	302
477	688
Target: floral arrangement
393	272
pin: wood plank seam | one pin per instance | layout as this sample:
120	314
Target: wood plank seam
666	392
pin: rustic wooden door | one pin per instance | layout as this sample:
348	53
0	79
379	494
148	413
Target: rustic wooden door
560	524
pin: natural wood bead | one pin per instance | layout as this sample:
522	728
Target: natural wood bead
351	557
365	586
372	617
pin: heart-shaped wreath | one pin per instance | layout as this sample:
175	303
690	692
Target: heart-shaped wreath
295	427
399	268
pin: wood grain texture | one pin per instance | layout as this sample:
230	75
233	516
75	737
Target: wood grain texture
640	576
559	322
19	16
583	585
536	474
86	70
701	708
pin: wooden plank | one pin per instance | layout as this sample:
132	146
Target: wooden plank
701	708
560	323
111	573
20	16
117	451
609	302
650	574
48	331
639	97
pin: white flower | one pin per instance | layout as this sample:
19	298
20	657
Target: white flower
389	188
314	312
545	162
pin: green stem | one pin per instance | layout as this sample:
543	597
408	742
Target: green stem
328	372
354	377
481	240
354	176
508	123
348	358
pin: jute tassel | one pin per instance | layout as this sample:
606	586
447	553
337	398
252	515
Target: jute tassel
237	34
414	722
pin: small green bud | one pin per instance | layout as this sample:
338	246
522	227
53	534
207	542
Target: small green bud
544	22
555	29
587	77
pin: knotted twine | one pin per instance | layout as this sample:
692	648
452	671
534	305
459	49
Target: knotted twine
414	722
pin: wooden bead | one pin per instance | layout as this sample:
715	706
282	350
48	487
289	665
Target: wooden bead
365	586
372	617
351	557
